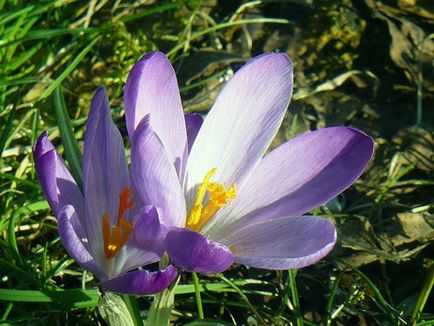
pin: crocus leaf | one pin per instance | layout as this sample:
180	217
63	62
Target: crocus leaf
114	310
161	308
207	322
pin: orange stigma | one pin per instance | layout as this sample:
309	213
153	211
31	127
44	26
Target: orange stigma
115	238
124	202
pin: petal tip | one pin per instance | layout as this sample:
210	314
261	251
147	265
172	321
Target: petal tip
142	282
42	145
194	252
152	58
280	59
364	140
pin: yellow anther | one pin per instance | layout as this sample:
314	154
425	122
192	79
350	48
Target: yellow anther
218	197
196	210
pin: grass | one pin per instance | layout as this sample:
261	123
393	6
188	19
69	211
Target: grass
54	54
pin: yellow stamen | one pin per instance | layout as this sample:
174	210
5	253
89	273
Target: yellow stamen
114	239
218	197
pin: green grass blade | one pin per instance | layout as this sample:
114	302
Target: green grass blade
206	31
243	296
152	11
381	302
6	18
72	151
330	299
45	34
69	69
424	294
34	207
71	298
294	296
6	131
197	294
6	265
19	180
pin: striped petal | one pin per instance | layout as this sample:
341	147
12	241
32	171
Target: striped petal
155	177
284	243
152	89
56	181
105	172
74	244
242	123
296	177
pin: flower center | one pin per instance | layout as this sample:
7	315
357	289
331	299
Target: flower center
219	196
115	238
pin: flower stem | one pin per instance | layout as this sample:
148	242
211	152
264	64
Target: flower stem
197	293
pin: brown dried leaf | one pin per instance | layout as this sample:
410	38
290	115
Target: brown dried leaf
417	144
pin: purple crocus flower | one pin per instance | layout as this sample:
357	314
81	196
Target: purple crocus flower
107	229
225	199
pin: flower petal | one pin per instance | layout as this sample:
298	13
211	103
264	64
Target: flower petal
145	244
67	226
148	234
296	177
141	282
42	146
242	123
105	172
284	243
155	177
152	89
56	181
194	252
193	122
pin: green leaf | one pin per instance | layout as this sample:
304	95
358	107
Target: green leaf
133	308
161	308
114	310
207	322
69	298
72	151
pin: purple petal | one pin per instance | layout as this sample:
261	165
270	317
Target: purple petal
56	181
152	89
145	244
296	177
284	243
155	177
242	123
141	282
73	244
148	234
194	252
105	172
42	146
193	122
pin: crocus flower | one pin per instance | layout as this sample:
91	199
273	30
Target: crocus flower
107	229
223	198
